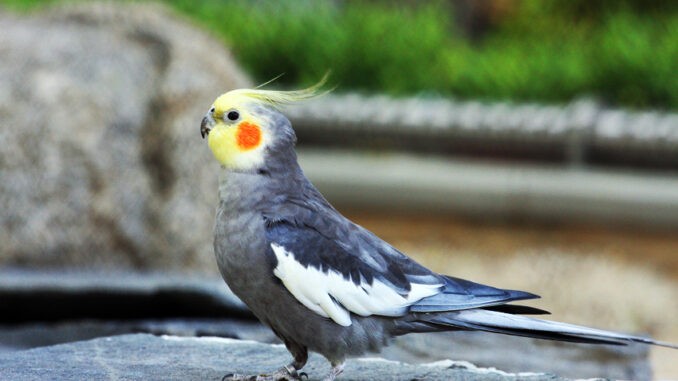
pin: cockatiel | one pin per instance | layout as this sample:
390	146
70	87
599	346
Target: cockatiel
319	281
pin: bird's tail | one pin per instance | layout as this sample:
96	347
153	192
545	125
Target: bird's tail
506	323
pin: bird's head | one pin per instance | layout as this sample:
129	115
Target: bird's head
244	127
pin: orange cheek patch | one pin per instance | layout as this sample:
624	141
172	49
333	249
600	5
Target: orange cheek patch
248	135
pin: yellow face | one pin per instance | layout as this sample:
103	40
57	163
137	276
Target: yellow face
240	125
235	135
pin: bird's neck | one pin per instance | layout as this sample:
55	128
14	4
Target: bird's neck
254	191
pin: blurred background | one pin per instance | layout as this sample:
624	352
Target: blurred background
525	144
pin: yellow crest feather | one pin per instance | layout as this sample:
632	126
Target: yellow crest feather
278	98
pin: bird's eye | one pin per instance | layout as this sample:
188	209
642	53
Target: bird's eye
233	115
212	110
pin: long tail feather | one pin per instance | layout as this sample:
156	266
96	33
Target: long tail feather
505	323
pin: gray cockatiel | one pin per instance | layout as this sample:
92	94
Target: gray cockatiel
319	281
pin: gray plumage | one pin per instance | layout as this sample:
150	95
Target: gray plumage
271	212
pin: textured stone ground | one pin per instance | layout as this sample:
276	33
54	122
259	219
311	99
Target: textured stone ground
167	358
89	305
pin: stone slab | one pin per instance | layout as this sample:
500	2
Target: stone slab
168	358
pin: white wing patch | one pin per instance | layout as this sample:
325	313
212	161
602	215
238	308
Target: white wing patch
316	290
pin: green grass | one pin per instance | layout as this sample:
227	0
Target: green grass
623	53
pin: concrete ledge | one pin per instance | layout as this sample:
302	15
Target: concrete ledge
145	357
489	190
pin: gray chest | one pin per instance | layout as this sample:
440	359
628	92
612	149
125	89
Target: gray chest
240	242
240	247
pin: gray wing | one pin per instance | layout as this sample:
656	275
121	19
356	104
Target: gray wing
337	268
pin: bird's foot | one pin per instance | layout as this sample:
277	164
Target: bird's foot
286	373
336	370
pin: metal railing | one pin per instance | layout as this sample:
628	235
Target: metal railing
577	133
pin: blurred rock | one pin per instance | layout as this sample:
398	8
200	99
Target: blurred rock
41	334
113	295
101	160
146	357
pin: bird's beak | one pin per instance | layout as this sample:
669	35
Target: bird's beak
206	125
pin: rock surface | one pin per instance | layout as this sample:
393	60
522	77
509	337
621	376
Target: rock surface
84	305
485	350
102	161
517	354
146	357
